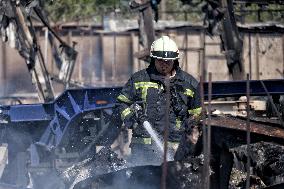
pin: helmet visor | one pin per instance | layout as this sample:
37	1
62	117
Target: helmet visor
166	55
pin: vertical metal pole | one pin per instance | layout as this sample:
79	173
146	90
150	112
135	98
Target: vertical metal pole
80	59
114	58
250	68
199	63
202	56
209	131
139	61
204	131
90	53
166	134
133	65
257	56
248	132
203	111
3	73
186	51
283	54
102	54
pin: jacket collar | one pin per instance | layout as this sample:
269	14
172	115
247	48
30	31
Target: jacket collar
155	75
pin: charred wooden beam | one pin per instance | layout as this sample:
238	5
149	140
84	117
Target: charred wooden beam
232	41
240	124
260	1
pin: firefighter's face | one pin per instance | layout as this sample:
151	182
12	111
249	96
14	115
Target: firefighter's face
164	67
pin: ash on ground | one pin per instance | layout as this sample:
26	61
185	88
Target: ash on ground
180	175
105	161
266	169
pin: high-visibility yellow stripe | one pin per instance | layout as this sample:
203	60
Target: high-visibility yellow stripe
189	92
125	113
178	122
123	98
141	140
144	87
147	140
146	84
195	111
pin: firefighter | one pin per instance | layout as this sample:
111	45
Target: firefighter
147	88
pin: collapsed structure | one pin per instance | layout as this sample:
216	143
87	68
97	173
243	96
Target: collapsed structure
60	137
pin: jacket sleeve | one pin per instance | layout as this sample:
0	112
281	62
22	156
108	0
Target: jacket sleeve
195	103
124	101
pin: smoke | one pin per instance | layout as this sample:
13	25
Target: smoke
130	178
47	179
158	141
18	141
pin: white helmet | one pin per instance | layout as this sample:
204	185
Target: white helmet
164	48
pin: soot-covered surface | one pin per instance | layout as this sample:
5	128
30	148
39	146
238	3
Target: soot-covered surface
106	161
267	160
185	174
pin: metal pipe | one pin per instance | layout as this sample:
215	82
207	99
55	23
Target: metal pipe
257	56
113	65
204	138
186	50
203	111
248	132
202	54
250	68
103	75
3	69
166	134
282	55
209	131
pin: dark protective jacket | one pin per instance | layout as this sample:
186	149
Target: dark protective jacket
148	86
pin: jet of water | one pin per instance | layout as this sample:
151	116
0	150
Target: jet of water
154	135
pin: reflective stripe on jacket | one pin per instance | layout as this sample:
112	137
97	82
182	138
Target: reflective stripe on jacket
147	86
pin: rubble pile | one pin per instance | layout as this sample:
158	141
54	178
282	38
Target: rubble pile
238	180
106	171
105	161
180	175
267	161
186	173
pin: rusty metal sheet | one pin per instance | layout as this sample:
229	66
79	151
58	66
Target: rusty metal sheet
240	124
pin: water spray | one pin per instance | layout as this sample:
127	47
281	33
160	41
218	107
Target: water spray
154	135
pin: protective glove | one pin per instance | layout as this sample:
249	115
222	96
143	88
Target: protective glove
137	117
140	115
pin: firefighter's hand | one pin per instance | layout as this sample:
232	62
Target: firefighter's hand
139	113
192	129
194	135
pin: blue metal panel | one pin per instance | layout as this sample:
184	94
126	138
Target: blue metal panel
74	101
36	112
238	88
70	105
